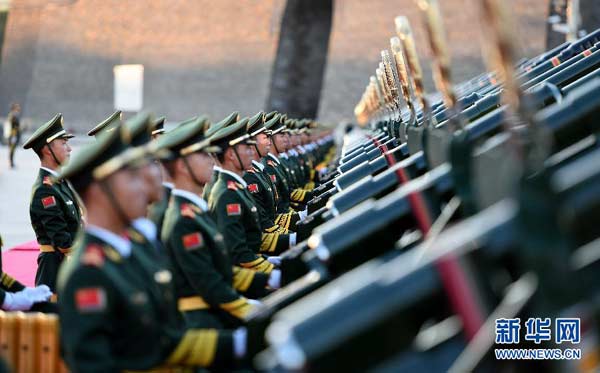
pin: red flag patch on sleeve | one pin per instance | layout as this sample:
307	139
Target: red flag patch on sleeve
192	241
274	178
90	300
234	209
253	188
49	202
231	185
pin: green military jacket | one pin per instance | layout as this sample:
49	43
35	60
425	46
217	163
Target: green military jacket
156	211
116	312
263	193
278	176
54	212
298	195
237	219
290	170
202	263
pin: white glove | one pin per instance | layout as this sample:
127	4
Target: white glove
275	279
275	260
303	214
254	302
292	239
24	299
39	293
240	340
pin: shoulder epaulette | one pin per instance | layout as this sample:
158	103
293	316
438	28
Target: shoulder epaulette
93	255
187	210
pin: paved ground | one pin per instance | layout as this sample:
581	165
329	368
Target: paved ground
15	191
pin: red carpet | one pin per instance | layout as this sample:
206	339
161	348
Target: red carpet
21	262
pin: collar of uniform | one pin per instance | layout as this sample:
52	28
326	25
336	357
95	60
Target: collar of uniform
301	149
194	198
258	165
235	176
122	245
283	155
273	157
168	185
320	141
217	168
146	227
51	172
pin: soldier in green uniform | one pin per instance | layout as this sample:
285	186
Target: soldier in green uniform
288	157
260	185
14	136
54	209
285	156
116	315
276	168
232	205
138	132
261	188
229	120
210	290
284	216
273	166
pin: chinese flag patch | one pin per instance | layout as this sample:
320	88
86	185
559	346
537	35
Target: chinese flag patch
48	202
234	209
90	299
192	241
253	188
231	185
274	178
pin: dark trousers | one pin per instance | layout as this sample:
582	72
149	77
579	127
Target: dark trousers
47	271
13	142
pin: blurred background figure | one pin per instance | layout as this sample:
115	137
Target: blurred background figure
13	128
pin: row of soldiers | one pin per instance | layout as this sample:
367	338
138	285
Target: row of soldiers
170	236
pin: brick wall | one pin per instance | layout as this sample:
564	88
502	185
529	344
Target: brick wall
208	57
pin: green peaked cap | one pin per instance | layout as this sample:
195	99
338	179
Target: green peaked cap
232	135
229	120
49	131
189	137
256	124
108	124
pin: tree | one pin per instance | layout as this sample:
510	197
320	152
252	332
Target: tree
587	19
299	67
